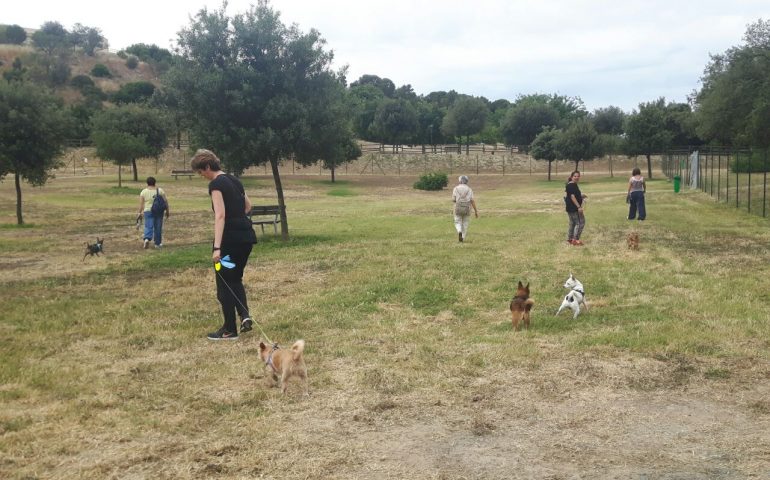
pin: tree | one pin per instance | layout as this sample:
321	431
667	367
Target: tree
525	119
545	146
736	91
608	120
15	35
364	100
123	134
51	38
331	136
385	85
646	132
88	38
32	135
133	92
579	143
395	122
467	116
247	83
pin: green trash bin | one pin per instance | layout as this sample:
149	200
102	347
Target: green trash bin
677	183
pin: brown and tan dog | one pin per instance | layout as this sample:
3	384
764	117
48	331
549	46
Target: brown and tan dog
286	363
632	239
521	304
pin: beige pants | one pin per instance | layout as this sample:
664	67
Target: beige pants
461	224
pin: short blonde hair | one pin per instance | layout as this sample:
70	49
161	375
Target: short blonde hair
205	158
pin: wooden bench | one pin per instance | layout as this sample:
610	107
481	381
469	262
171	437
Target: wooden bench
182	173
271	214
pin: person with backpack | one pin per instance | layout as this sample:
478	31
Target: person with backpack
153	203
462	196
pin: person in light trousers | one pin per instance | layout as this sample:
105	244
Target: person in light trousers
462	196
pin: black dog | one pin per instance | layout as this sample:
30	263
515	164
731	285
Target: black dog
94	249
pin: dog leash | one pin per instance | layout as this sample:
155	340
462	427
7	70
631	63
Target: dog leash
246	309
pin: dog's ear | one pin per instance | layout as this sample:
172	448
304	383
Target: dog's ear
521	285
527	287
262	345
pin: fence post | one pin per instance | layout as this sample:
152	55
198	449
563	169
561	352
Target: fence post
477	164
764	185
719	174
737	187
748	198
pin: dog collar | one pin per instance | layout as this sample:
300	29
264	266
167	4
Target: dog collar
579	291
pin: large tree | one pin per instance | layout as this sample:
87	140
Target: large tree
395	122
123	134
466	117
247	84
33	130
579	143
525	119
646	132
732	106
608	120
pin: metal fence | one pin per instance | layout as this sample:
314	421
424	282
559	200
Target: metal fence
732	176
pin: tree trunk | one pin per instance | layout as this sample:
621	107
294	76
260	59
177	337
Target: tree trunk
17	180
577	164
467	144
281	203
549	170
611	175
333	169
649	167
133	166
120	176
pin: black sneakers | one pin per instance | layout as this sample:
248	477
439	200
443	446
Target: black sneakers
222	334
246	325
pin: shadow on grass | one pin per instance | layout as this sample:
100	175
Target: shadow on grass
11	226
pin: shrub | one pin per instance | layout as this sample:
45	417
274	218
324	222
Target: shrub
432	181
122	54
100	70
12	34
132	62
133	92
81	81
753	162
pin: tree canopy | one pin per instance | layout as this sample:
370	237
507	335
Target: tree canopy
33	130
732	105
125	133
249	85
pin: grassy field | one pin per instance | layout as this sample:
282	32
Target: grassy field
414	369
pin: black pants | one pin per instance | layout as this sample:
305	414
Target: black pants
230	291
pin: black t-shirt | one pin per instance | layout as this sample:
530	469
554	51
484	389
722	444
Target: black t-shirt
238	227
573	189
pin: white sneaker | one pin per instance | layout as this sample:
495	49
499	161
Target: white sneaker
146	244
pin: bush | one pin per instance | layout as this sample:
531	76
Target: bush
432	181
122	54
81	81
100	70
132	62
753	162
12	34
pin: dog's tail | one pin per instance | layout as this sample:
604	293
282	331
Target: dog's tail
528	304
297	349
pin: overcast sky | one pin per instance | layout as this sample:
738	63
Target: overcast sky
607	52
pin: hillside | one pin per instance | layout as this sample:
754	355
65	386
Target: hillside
82	64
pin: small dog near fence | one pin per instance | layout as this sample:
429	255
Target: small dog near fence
94	248
520	306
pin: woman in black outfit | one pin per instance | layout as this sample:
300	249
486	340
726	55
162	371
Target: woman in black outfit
574	201
233	236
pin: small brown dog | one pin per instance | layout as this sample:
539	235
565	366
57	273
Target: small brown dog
286	363
521	304
632	239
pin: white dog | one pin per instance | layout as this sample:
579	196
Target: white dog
574	298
